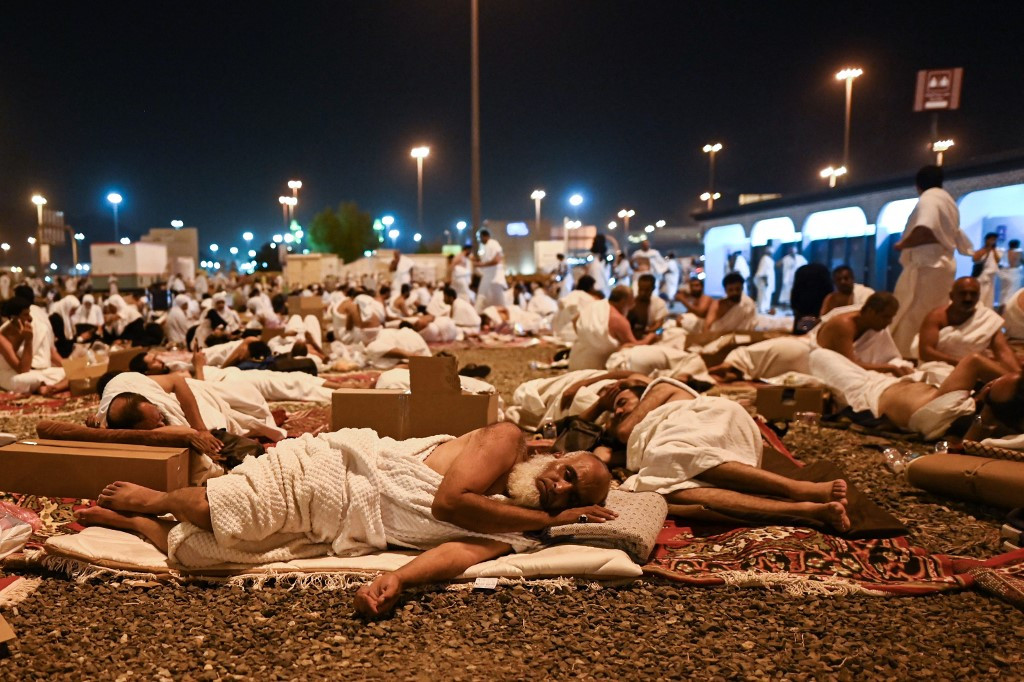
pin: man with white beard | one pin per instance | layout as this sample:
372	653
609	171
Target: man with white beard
463	500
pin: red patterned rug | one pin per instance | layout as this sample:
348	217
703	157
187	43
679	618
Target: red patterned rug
803	560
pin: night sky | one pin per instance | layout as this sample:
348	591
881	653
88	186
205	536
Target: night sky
203	112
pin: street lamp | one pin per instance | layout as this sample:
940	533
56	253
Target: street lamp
177	224
393	235
126	241
660	224
649	229
247	236
460	226
39	201
75	238
233	250
612	225
417	237
832	173
214	248
625	215
419	153
537	195
711	150
710	198
115	200
847	75
278	238
939	147
287	206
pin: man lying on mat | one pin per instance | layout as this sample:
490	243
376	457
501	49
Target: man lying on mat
702	450
350	493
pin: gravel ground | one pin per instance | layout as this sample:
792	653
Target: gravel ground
641	629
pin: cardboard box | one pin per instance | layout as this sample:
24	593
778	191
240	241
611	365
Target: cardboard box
435	404
119	360
782	402
62	468
305	305
83	375
6	631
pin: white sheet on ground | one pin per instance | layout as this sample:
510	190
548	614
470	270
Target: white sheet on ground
538	401
295	386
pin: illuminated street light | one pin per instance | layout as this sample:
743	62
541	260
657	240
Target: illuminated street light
832	173
252	253
115	200
177	224
39	201
419	153
233	250
417	237
625	215
126	241
289	238
247	236
31	240
940	147
278	239
708	196
847	75
660	224
387	221
711	150
5	247
460	226
537	195
612	225
214	248
294	186
649	229
393	236
576	200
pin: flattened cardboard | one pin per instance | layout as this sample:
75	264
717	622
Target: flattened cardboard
83	377
6	631
435	405
781	403
305	305
996	482
58	468
119	360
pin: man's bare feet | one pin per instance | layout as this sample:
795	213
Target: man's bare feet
129	497
99	516
829	491
834	514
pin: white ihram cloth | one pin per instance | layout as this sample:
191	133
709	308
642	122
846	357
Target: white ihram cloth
465	316
295	330
542	304
742	317
88	313
442	330
790	264
680	440
658	358
403	272
572	304
273	386
872	347
42	339
389	339
523	321
232	406
593	343
764	282
491	290
771	358
345	493
972	336
862	389
539	401
1015	316
861	294
217	355
30	381
929	270
436	305
177	324
987	279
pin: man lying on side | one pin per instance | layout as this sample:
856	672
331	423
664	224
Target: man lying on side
440	494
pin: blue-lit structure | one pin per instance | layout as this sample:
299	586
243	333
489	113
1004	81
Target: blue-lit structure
858	224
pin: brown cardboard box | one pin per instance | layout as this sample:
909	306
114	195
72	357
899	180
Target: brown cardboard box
996	482
119	360
83	376
782	402
6	631
305	305
435	405
61	468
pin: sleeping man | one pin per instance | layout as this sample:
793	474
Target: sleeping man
464	500
701	450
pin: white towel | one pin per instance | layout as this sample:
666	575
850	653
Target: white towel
539	401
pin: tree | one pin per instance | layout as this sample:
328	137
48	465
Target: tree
347	232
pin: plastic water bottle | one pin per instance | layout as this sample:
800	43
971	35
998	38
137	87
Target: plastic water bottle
549	431
895	461
942	447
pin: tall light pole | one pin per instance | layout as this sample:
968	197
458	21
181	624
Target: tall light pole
75	238
287	204
419	153
115	200
39	201
5	247
711	150
832	174
939	147
847	75
537	196
294	186
625	215
474	114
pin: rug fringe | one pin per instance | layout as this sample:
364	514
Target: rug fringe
798	585
19	591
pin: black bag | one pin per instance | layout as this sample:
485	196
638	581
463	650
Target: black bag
236	448
287	363
576	434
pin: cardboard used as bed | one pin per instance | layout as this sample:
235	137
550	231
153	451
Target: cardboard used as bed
120	551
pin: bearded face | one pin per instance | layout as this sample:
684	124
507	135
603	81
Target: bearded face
522	481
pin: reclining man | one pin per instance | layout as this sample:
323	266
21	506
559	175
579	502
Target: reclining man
857	333
702	450
954	331
316	496
910	403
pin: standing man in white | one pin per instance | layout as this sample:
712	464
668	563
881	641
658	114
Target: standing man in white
764	280
491	261
791	262
401	266
929	239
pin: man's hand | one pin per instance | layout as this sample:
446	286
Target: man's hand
570	394
205	443
198	359
901	370
379	597
595	513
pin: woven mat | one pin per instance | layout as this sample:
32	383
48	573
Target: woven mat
973	447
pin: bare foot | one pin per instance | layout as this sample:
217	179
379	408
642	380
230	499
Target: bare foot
829	491
834	514
129	497
45	390
98	516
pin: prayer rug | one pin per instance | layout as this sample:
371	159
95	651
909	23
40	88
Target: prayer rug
14	589
806	561
313	420
364	379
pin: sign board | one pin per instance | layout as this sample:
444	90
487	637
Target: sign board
52	229
938	89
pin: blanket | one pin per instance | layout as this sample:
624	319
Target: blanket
344	493
659	357
593	343
539	401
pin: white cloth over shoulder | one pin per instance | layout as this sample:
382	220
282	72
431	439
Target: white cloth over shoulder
681	440
345	493
742	317
1014	313
973	336
593	343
